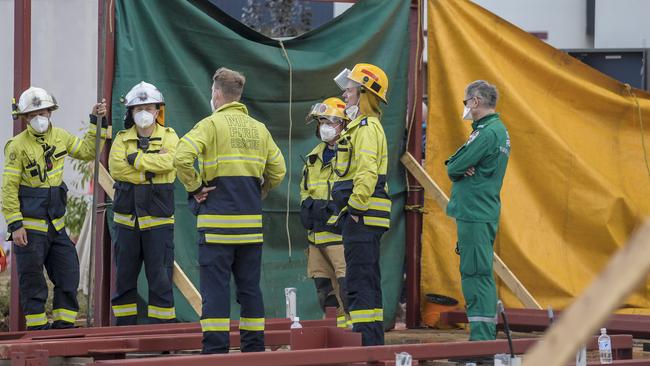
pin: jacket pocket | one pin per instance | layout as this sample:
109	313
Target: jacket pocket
34	202
475	260
159	200
306	213
58	200
123	201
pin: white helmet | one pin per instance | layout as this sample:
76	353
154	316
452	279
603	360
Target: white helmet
143	93
35	99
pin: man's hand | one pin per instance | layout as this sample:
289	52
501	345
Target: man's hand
20	237
355	218
99	109
203	195
470	171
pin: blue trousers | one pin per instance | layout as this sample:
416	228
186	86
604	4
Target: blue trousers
56	252
217	262
155	248
363	278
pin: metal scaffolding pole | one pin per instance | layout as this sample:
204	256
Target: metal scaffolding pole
22	79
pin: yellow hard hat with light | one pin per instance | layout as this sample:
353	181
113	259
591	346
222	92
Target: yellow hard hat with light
331	108
371	77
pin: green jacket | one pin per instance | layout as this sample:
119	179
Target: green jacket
477	198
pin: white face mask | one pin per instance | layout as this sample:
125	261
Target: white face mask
467	114
212	108
327	133
40	124
143	119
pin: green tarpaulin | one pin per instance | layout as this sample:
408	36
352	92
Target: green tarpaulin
178	46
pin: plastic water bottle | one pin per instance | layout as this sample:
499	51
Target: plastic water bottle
296	323
604	347
581	356
403	359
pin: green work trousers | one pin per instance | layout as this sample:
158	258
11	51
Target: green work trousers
476	249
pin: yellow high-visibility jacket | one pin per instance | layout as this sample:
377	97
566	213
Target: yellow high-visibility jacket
33	191
236	155
317	206
360	166
144	187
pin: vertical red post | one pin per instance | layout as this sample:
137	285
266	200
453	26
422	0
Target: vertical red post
103	268
22	79
414	197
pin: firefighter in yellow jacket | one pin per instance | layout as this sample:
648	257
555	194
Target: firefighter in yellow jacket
360	192
238	164
142	164
34	202
325	260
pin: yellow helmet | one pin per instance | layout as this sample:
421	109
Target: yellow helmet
331	108
369	76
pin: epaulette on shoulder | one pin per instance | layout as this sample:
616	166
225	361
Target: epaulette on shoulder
7	144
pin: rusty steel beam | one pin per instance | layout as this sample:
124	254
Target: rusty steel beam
323	337
22	79
139	343
131	330
305	338
347	355
638	362
103	266
528	320
414	197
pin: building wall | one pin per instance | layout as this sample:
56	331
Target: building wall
564	20
64	62
622	24
618	24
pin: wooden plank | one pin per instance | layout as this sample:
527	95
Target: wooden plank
186	287
500	268
182	282
623	274
430	187
106	181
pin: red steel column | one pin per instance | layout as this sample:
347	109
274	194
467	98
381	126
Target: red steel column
414	197
103	268
22	79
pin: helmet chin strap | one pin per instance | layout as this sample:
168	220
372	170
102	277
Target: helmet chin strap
352	111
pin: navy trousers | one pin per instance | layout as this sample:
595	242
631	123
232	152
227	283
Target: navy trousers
363	278
155	248
217	262
56	252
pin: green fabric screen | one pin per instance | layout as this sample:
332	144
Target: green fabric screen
178	46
